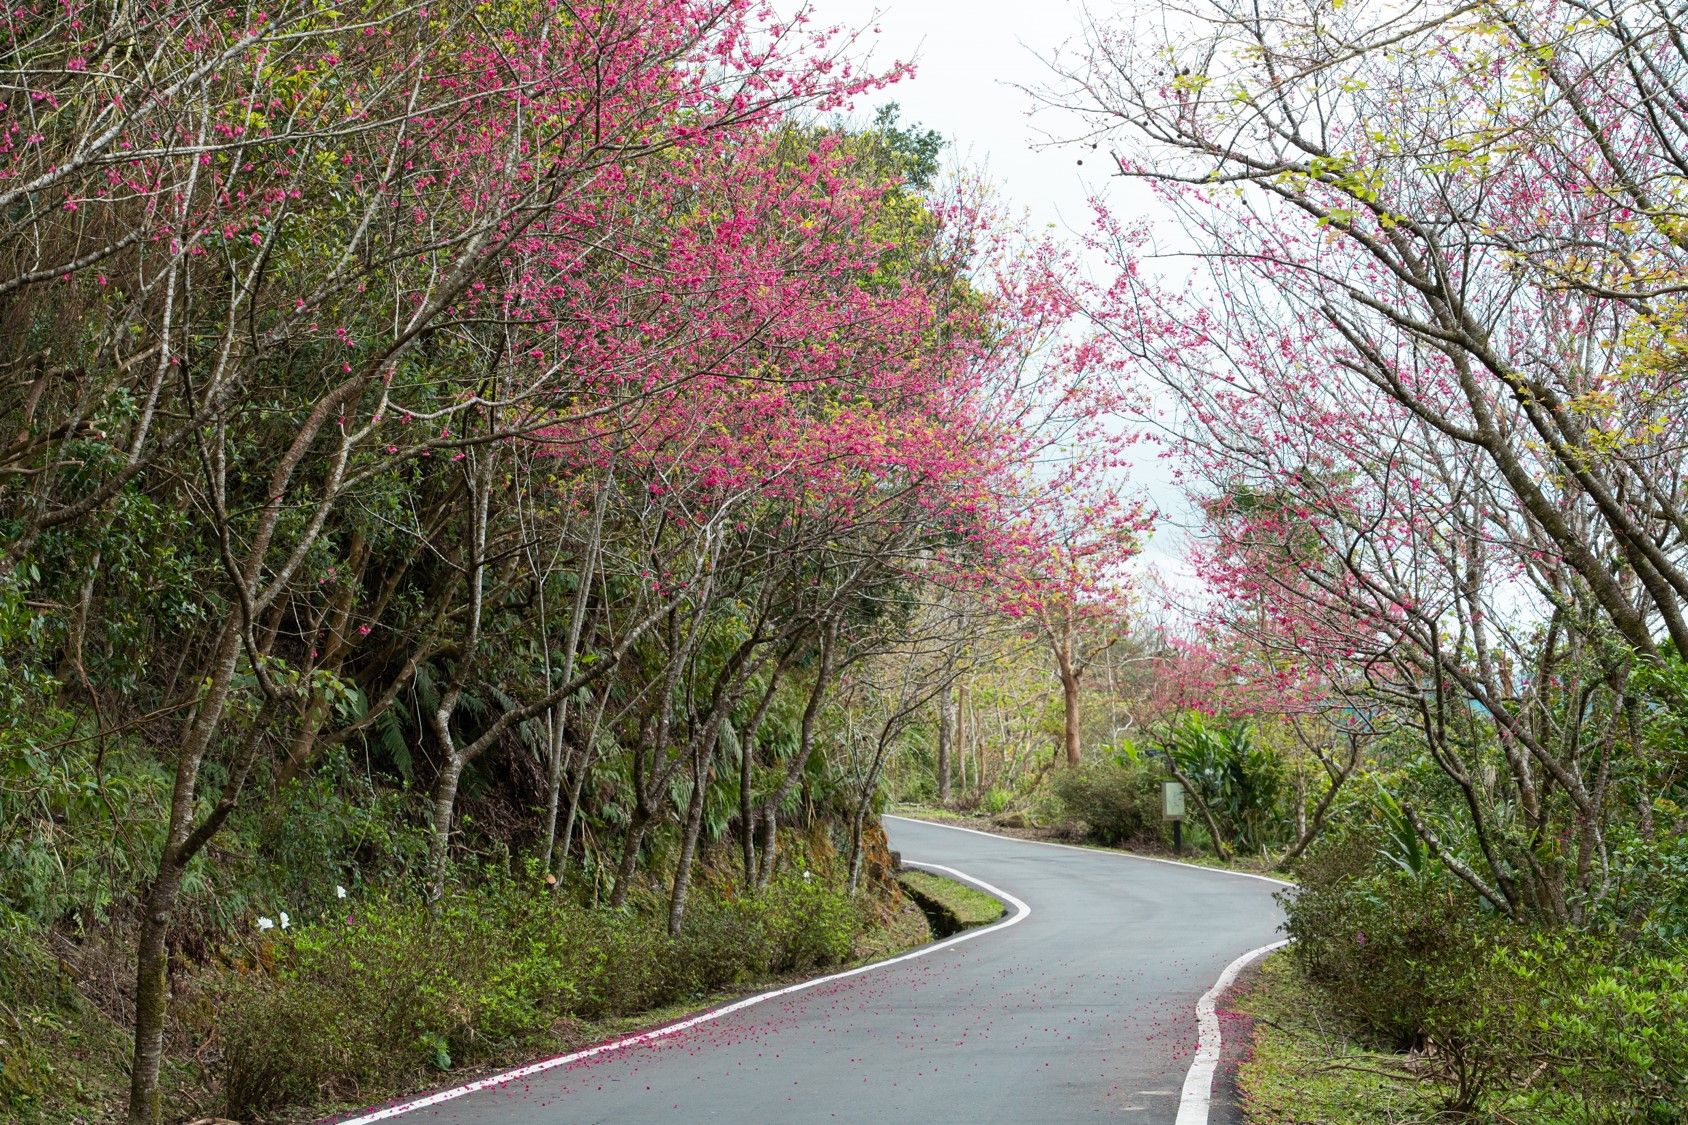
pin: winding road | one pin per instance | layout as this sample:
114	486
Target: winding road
1081	1006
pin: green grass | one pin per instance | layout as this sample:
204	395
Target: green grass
61	1058
968	907
1304	1067
932	812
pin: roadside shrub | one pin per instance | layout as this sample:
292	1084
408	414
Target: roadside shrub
995	800
1243	784
1408	961
347	1010
1605	1031
1118	803
807	924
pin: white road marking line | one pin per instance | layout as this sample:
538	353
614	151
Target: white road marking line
1198	1084
1197	1097
1021	912
1092	851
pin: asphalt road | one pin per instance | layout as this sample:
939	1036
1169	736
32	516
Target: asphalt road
1085	1010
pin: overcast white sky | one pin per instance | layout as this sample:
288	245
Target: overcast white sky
971	56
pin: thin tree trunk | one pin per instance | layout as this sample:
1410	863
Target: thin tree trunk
945	721
571	648
445	805
151	954
959	748
1219	845
457	756
856	846
794	768
630	842
768	823
702	761
1069	713
151	975
588	755
556	767
747	770
747	809
1315	824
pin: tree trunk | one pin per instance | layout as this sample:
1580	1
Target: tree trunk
151	977
856	847
445	805
701	770
1195	794
945	721
747	772
1313	825
571	648
629	857
959	743
794	768
151	955
556	766
769	825
588	754
456	756
1069	712
747	809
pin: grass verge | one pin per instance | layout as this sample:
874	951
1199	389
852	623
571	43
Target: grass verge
950	904
1304	1066
906	927
294	1022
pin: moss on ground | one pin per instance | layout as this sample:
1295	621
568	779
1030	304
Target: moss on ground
961	905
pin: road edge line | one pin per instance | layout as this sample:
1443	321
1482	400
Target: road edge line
1197	1098
1021	912
1092	851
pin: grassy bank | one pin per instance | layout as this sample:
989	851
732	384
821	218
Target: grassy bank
951	904
384	996
1307	1065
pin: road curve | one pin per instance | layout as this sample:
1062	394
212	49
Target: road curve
1084	1010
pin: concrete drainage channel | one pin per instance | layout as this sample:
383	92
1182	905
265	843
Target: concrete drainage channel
950	905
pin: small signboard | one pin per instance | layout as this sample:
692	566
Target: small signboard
1172	800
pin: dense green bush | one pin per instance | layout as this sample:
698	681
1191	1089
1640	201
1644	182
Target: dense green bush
1243	784
1119	803
1407	959
1538	1025
1604	1031
349	1007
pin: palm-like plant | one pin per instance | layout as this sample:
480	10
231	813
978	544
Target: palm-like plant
1237	785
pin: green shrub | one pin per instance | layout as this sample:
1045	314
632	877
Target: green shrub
353	1009
1408	961
1244	785
995	801
1118	803
1605	1031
